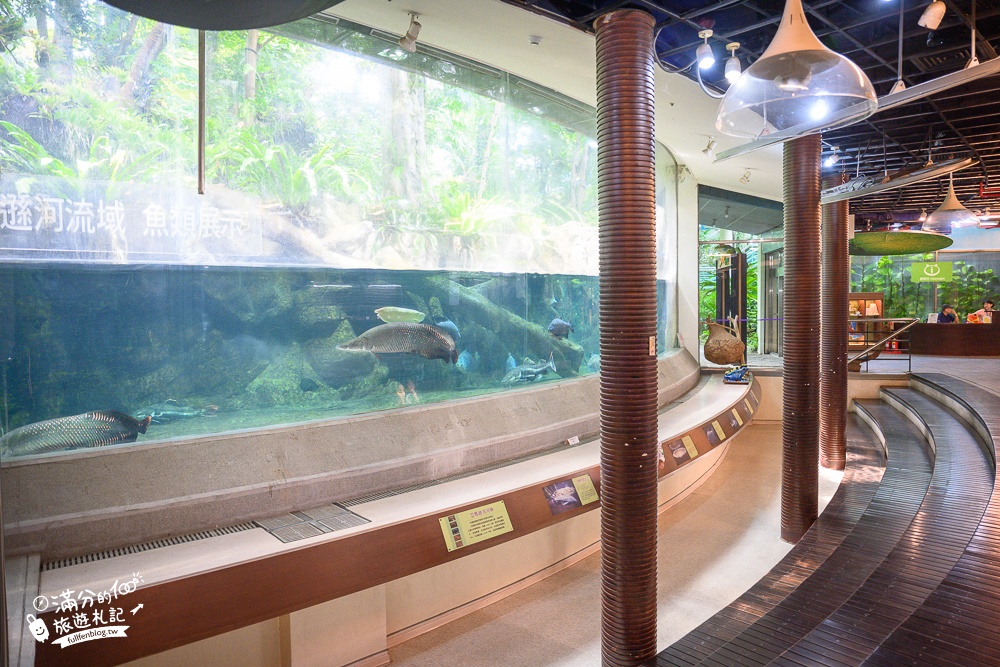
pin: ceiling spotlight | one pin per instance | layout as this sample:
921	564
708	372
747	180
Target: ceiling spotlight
745	178
931	18
834	157
923	215
710	149
950	215
733	66
704	54
408	42
797	83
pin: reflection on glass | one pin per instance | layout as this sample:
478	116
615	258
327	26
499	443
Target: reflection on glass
345	176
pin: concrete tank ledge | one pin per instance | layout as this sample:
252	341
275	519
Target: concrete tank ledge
87	501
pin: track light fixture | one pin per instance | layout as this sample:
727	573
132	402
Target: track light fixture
408	42
733	66
704	54
923	215
834	157
931	18
709	150
745	178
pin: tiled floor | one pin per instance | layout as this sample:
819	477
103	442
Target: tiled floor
713	546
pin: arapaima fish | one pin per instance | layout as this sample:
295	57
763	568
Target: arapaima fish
91	429
405	338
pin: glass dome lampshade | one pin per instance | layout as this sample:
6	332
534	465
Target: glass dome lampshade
950	215
797	83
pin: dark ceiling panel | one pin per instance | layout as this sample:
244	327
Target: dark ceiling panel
957	123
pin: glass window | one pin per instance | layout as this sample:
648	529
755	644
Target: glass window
354	192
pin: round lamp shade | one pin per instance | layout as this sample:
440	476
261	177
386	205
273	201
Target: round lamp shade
950	215
897	243
224	14
797	83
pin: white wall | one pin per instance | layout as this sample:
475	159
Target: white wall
687	262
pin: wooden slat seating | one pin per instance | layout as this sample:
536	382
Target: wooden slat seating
957	624
911	535
862	476
930	547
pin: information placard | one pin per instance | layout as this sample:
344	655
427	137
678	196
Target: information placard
570	493
475	525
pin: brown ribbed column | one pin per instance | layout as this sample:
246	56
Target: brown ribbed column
627	197
833	327
800	419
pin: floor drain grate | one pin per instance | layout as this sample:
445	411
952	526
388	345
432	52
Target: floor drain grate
312	522
146	546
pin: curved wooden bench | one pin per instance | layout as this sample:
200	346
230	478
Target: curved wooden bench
894	505
906	605
862	476
957	624
926	553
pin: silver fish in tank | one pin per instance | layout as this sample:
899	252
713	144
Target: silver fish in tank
560	328
170	410
529	372
91	429
405	338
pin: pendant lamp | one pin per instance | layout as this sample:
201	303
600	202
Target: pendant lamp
224	14
797	82
950	215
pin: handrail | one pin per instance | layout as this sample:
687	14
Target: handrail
881	343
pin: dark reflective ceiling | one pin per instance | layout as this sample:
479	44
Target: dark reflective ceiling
960	122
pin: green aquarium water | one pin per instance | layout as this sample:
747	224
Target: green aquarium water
207	350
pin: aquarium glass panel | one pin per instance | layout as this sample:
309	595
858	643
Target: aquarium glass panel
379	229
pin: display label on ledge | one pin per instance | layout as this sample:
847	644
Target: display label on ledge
570	493
471	526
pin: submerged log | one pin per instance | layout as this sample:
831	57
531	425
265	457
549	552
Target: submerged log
513	330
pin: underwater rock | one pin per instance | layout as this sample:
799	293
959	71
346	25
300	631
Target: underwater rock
308	384
258	300
315	314
334	367
434	308
281	383
219	368
508	327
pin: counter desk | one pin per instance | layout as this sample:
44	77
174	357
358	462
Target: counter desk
956	340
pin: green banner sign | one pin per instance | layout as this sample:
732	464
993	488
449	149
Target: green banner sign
931	272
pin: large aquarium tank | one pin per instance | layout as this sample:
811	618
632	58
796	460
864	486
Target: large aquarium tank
377	229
